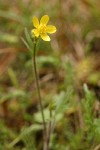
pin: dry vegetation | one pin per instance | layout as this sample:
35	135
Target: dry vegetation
69	73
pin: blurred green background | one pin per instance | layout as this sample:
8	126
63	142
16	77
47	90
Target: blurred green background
67	66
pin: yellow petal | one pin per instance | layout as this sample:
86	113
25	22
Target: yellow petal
35	22
51	29
45	37
35	32
44	19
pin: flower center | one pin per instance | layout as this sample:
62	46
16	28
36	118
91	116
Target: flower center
42	28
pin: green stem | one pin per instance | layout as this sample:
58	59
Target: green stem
37	84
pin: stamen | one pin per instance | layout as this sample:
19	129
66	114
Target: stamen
42	28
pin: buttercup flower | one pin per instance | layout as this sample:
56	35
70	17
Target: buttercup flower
41	28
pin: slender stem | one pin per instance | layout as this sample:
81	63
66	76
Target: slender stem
48	134
37	84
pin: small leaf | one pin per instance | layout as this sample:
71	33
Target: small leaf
62	100
28	38
38	116
26	44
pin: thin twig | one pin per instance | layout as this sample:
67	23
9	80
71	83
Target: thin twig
48	133
97	147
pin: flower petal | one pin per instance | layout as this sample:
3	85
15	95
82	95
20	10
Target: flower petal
35	32
44	19
45	37
51	29
35	22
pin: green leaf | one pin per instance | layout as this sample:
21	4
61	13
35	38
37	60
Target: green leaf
29	40
9	38
26	44
38	116
10	95
62	100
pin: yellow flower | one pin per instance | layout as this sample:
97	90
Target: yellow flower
41	28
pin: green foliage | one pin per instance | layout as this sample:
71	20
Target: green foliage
91	123
62	101
11	39
28	42
88	108
10	95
